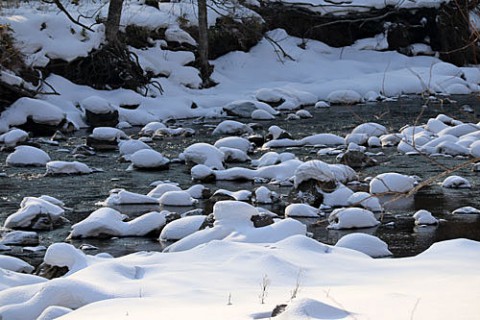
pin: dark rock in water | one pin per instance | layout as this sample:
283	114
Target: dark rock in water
257	139
194	212
101	144
309	192
172	216
279	308
83	150
51	272
357	159
42	129
109	119
214	199
262	220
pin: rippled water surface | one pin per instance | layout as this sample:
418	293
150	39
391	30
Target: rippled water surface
81	193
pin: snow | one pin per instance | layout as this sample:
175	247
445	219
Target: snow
466	210
344	97
160	189
328	139
109	222
27	156
365	200
129	147
15	264
365	243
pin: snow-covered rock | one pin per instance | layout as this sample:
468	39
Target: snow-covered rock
123	197
234	142
350	218
456	182
160	189
150	128
108	134
35	213
466	210
203	153
391	182
149	159
232	127
424	217
177	198
262	115
67	167
13	137
129	147
180	228
263	195
301	210
27	156
365	243
107	222
371	129
365	200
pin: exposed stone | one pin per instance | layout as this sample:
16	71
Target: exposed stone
357	159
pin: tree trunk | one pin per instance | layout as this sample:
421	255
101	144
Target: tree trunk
113	20
205	68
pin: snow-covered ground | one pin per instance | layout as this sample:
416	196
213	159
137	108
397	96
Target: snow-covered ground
233	270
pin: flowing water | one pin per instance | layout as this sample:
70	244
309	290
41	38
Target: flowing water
81	193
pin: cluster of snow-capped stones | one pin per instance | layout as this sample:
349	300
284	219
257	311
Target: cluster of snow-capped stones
233	223
250	109
37	213
441	135
156	129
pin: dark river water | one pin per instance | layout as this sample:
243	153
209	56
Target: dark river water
81	193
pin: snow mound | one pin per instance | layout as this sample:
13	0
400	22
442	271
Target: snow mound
344	97
365	243
97	105
365	200
27	156
466	210
129	147
108	134
305	308
160	189
235	143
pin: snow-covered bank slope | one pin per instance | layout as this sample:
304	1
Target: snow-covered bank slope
222	280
